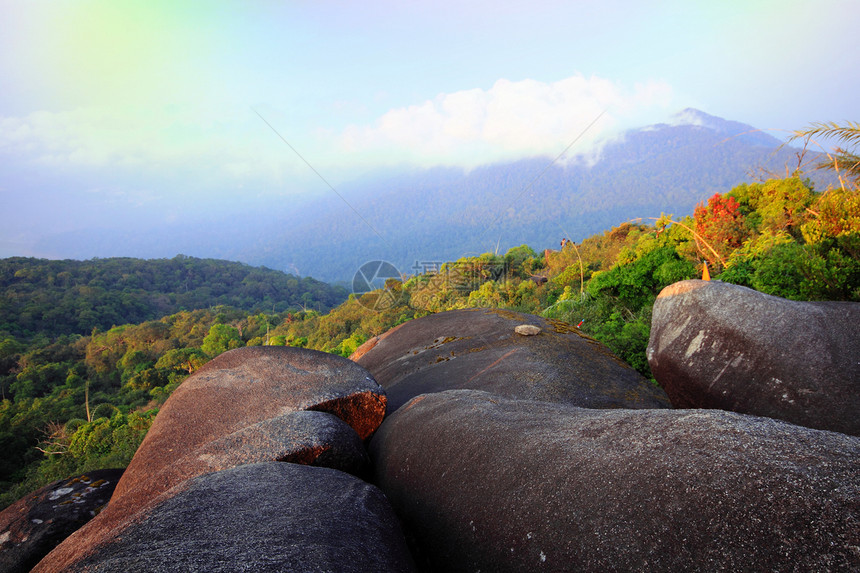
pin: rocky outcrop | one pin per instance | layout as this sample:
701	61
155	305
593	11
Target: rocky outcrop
487	483
250	405
572	462
718	345
480	349
260	517
249	397
38	522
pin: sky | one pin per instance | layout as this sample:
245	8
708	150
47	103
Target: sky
128	110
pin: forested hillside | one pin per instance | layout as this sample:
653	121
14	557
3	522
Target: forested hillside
74	297
76	402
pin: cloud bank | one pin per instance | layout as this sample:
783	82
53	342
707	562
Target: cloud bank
226	146
509	120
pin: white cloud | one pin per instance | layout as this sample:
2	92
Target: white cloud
511	119
225	145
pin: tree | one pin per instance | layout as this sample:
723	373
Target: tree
783	204
516	258
721	224
182	360
636	281
836	218
221	338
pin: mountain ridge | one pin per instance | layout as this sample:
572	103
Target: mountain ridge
444	213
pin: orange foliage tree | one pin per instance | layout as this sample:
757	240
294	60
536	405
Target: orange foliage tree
721	224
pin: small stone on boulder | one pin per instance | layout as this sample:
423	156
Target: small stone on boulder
480	349
527	329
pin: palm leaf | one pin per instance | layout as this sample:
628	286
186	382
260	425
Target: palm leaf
848	134
842	160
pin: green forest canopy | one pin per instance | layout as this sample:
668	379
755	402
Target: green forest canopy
74	297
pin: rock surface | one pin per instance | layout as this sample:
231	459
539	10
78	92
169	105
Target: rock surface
244	394
254	404
38	522
479	349
259	517
491	484
305	437
718	345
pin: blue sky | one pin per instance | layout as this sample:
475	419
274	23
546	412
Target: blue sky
114	107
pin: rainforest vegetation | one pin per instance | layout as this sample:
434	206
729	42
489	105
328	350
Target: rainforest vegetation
90	350
74	297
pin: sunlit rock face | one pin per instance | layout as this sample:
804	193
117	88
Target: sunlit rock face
718	345
249	397
247	406
481	349
486	483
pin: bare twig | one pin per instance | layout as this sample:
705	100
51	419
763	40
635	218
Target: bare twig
57	441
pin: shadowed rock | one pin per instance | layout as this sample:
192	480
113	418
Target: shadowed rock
38	522
718	345
491	484
303	437
259	517
480	349
248	405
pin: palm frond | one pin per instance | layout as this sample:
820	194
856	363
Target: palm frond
847	134
843	162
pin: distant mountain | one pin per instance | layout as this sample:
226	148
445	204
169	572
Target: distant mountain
726	128
433	215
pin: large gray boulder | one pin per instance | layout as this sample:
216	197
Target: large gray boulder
250	405
242	396
480	349
719	345
487	483
304	437
32	526
257	517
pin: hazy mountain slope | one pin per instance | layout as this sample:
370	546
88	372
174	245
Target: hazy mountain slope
432	216
444	213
